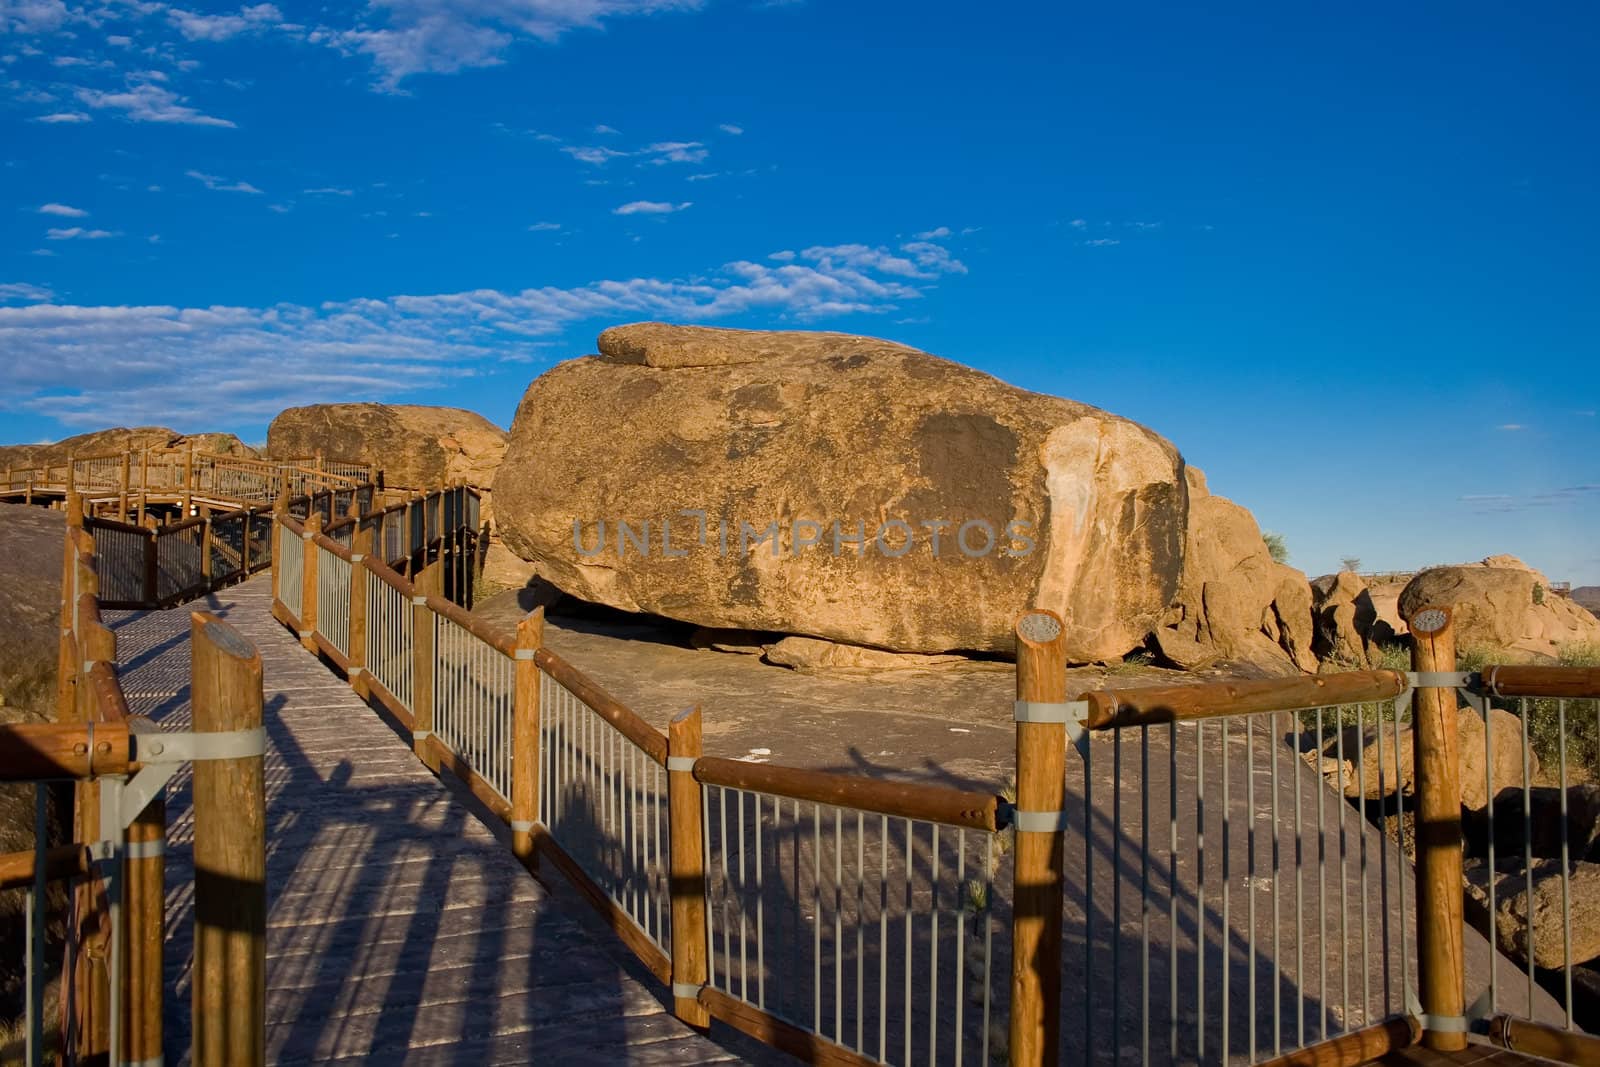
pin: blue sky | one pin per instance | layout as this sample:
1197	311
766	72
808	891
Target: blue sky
1347	263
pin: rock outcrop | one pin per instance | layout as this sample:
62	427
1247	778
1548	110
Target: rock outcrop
796	482
1350	630
1588	598
416	447
1375	756
119	439
1502	604
1235	601
810	654
1551	904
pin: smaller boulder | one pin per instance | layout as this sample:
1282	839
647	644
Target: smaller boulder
1344	618
730	639
1379	772
1544	943
811	654
1503	605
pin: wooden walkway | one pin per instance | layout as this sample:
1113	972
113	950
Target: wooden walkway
400	930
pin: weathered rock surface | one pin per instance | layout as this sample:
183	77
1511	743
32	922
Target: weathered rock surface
1511	918
417	447
809	430
811	654
1370	765
741	642
1503	604
1544	803
1235	601
31	540
1348	627
119	439
1588	598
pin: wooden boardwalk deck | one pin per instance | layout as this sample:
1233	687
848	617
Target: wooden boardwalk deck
400	930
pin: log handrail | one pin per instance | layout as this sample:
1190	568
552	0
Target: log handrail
1511	680
32	751
904	800
627	721
1116	709
17	869
506	646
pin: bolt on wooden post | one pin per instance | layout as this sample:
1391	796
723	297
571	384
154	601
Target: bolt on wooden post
526	713
230	859
1437	756
1038	875
686	875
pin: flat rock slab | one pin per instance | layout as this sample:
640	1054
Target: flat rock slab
399	929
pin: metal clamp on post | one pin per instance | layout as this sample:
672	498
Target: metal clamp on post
522	826
1072	714
525	653
1442	679
687	990
1039	822
187	746
680	763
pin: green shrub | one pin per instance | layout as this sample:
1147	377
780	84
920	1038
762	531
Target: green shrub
1582	718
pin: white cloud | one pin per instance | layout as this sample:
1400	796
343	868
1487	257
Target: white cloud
64	116
604	129
196	27
1511	426
592	154
934	234
78	233
1078	224
445	36
730	128
63	210
676	152
221	185
162	364
703	177
785	256
32	16
545	227
22	291
651	207
144	102
1102	242
43	252
329	190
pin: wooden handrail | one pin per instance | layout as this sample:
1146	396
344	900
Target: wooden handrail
1357	1047
110	703
97	522
1509	680
389	576
1536	1039
608	707
1114	709
506	646
905	800
31	751
64	861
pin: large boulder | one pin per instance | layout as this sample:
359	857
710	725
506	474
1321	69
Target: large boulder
1349	629
418	448
1541	935
1235	601
119	439
1369	767
819	438
1503	605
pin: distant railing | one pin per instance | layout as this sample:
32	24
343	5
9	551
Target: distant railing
109	966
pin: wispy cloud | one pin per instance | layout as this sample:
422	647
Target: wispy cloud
604	130
730	128
329	190
95	365
651	207
675	152
934	234
63	210
143	101
196	27
1505	503
58	117
1511	426
22	291
1102	242
221	185
544	227
78	233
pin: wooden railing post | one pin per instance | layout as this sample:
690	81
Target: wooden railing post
356	653
72	465
308	582
686	875
230	860
122	492
1440	950
152	568
205	548
66	668
144	484
143	932
525	717
92	980
422	678
1038	875
280	508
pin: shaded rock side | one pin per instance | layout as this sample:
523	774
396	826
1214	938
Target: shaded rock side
1235	601
1502	604
1369	766
1349	627
416	447
847	433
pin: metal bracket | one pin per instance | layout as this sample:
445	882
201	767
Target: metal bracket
1465	1023
525	653
1442	679
688	990
421	735
1039	822
1042	711
680	763
187	746
522	826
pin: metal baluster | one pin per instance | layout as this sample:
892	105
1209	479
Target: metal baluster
35	961
1250	868
711	912
1400	859
1566	869
933	943
838	925
883	939
816	918
1200	890
910	867
1527	840
1274	742
861	923
761	922
1172	889
1144	894
744	971
1322	903
1361	779
1116	899
961	942
1226	939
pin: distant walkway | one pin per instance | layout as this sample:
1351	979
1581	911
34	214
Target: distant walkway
399	929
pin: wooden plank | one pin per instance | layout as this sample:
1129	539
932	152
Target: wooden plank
62	862
1111	709
907	800
801	1044
648	951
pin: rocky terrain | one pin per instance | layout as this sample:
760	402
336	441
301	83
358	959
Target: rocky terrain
1588	598
119	439
416	447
